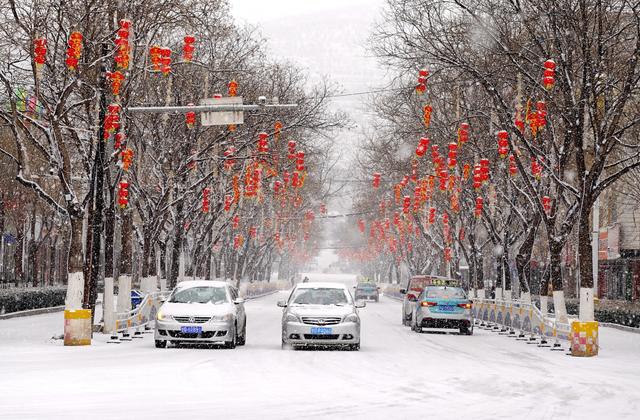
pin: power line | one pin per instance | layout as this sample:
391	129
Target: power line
341	95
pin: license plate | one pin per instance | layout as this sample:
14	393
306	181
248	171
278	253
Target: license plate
320	331
191	330
446	308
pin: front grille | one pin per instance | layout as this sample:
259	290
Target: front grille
321	336
318	320
192	320
204	334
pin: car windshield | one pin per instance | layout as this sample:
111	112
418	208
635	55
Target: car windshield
319	296
201	294
366	286
444	292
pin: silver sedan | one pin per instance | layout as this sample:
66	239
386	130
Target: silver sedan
321	314
202	312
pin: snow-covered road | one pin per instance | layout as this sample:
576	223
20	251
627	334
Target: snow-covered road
397	374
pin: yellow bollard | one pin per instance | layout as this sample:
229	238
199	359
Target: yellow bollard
77	327
584	339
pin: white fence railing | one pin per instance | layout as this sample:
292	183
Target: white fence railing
522	316
142	314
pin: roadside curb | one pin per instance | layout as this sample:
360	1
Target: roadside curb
621	327
30	312
262	295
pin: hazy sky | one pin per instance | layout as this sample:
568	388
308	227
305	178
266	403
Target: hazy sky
327	38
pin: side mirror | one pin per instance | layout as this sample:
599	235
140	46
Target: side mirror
360	304
403	291
162	299
412	298
282	303
238	301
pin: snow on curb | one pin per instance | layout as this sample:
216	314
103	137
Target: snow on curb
261	295
620	327
30	312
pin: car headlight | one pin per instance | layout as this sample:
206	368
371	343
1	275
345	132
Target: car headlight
351	318
164	317
292	318
222	318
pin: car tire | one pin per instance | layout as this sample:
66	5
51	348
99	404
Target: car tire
242	340
407	320
232	344
161	344
466	330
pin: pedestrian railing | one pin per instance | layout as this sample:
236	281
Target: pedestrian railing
141	315
516	318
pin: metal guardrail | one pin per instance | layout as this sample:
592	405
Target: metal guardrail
142	314
521	316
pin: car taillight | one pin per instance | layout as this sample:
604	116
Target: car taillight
428	303
465	305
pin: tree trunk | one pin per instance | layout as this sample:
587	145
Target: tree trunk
585	266
555	273
126	249
19	251
110	226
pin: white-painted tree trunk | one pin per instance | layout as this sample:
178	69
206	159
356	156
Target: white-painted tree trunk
472	293
149	284
559	306
525	297
163	285
108	309
75	291
586	304
480	293
181	267
124	294
507	294
499	295
544	304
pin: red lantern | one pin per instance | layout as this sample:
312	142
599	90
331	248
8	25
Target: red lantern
39	52
421	87
295	180
423	146
503	143
188	48
453	155
122	42
292	149
238	240
190	118
519	122
549	75
111	121
427	110
123	194
536	168
463	133
155	55
361	226
406	204
376	180
479	206
466	171
263	143
484	169
115	79
546	204
541	114
253	232
229	161
477	176
127	158
444	177
205	200
513	169
232	88
300	161
74	51
165	60
120	138
227	202
432	215
447	254
235	222
277	130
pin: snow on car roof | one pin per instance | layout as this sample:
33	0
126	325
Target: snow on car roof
201	283
321	285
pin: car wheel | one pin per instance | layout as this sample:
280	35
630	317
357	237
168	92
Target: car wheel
466	330
231	344
161	344
243	338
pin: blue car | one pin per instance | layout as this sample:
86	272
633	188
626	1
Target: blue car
443	307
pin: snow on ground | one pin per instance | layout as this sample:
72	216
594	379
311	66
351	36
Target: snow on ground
398	374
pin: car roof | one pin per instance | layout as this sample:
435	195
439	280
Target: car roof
202	283
321	285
